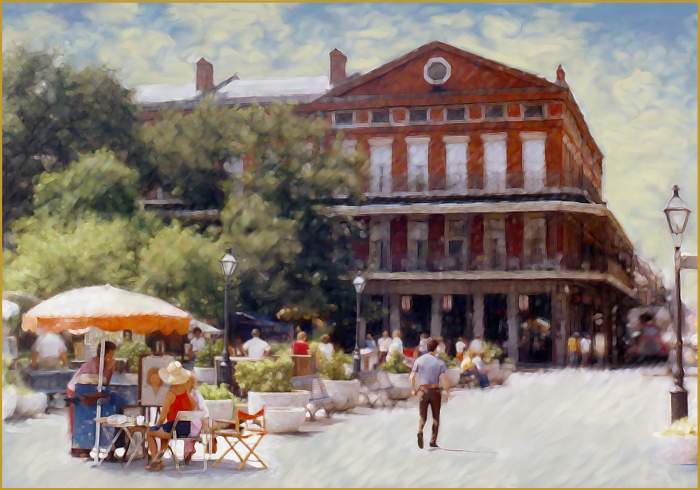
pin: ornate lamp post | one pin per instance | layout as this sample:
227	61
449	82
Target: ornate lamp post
677	213
359	285
228	266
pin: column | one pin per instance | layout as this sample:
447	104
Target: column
385	312
435	316
513	325
478	316
560	314
394	312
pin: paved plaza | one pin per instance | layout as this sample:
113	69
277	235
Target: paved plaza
569	428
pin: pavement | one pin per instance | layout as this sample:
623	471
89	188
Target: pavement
566	428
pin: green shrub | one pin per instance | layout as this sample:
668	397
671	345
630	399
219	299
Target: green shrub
132	351
449	362
205	357
280	348
491	352
395	365
267	375
213	392
334	368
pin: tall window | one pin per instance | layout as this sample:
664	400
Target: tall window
533	160
417	245
495	242
456	243
417	163
495	162
379	258
380	165
456	162
535	241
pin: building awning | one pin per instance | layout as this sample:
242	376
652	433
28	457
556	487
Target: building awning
585	276
482	207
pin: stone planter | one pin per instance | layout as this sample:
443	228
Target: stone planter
453	376
205	374
31	404
220	409
294	399
284	419
344	394
400	386
678	449
9	401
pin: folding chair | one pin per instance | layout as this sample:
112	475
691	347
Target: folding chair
189	416
246	429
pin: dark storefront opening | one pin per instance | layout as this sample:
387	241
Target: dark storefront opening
535	337
495	317
457	321
415	320
377	315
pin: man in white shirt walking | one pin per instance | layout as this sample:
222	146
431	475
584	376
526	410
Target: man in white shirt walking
426	376
256	348
49	351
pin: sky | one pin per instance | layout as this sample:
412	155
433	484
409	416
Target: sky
632	69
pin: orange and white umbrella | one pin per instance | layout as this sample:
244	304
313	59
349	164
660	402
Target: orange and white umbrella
109	309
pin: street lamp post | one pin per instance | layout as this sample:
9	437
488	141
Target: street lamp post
359	285
228	266
677	213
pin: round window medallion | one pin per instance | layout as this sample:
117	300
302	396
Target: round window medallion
437	71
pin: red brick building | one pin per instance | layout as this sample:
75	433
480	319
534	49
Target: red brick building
484	210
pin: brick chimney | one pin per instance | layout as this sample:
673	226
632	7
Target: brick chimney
338	60
205	76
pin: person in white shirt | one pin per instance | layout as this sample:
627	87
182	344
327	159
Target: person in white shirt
396	343
198	341
460	345
256	348
49	351
326	348
585	346
383	345
476	346
422	345
599	348
441	348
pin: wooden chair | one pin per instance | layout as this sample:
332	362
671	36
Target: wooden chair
189	416
246	429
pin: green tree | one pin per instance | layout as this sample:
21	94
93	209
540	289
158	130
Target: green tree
181	266
52	256
96	182
51	113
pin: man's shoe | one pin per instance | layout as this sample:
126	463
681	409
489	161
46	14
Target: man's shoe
420	440
434	444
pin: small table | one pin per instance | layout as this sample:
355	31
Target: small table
128	428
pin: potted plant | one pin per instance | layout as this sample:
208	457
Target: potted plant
397	371
453	370
344	391
132	351
269	385
204	368
220	402
679	442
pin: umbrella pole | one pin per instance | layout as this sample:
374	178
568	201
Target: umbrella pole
98	409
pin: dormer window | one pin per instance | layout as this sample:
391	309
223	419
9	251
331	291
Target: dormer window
380	117
495	111
343	118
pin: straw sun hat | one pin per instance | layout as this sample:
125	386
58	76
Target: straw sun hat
174	374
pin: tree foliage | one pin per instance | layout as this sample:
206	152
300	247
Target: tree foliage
51	113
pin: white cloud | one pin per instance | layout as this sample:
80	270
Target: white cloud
113	13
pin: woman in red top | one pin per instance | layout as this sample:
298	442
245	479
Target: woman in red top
300	347
178	399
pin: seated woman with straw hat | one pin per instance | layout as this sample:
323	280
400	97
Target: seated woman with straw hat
179	398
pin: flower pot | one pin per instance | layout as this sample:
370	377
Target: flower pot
259	399
400	386
453	376
284	419
220	409
9	401
678	449
205	374
31	404
344	394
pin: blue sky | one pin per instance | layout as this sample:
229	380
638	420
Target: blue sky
632	68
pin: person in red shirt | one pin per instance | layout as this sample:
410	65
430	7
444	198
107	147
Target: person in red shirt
300	347
178	399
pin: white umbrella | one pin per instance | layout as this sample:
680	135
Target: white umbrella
9	310
205	328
